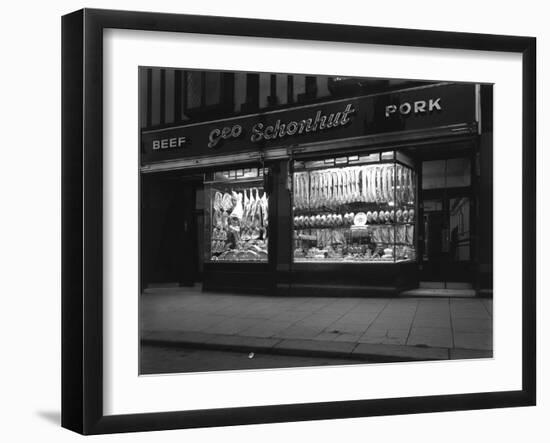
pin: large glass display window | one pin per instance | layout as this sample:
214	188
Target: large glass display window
236	219
357	208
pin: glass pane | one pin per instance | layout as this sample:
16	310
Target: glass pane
194	89
155	97
433	174
458	172
450	173
237	207
358	213
169	95
435	235
212	88
459	222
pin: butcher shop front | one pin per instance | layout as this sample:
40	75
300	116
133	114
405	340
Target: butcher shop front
369	195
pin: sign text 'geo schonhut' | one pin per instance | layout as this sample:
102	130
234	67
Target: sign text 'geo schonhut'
413	109
281	129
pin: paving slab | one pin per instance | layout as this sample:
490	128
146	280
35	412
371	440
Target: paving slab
385	336
349	337
266	329
232	326
466	324
299	332
328	336
342	327
374	352
290	315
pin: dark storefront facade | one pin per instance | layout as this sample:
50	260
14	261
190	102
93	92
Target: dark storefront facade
312	185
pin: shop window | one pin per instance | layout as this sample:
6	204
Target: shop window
236	216
354	209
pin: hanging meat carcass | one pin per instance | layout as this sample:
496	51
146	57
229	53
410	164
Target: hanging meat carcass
238	210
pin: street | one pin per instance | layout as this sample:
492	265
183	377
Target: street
163	359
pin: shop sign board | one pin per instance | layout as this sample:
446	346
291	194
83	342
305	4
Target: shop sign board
412	109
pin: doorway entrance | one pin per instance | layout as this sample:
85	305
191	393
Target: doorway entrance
168	230
447	223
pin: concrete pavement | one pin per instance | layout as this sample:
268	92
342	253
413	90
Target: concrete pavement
374	329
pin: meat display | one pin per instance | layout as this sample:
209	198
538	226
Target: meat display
239	222
354	213
337	186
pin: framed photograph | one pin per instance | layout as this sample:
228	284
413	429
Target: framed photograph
270	221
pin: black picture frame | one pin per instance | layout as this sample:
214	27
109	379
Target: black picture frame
82	215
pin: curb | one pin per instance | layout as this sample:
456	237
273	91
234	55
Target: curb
374	353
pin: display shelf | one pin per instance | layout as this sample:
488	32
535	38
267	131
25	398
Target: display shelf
350	227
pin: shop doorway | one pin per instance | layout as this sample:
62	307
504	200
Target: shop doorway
447	224
168	226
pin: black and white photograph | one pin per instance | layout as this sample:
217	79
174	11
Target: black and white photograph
297	220
288	221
